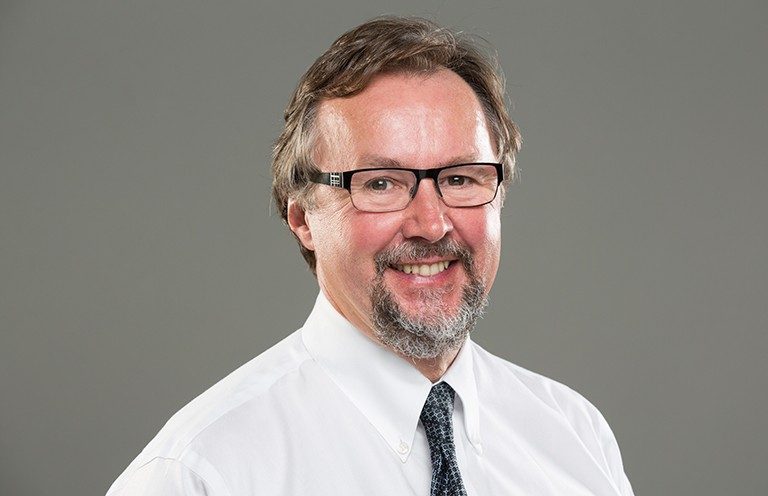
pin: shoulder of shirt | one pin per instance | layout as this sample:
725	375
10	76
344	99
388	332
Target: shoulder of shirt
247	383
511	386
555	395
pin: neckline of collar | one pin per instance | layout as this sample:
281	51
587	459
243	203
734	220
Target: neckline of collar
389	391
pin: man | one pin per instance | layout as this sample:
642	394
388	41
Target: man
390	173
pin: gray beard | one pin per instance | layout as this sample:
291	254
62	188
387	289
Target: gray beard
437	330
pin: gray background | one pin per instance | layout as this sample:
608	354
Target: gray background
141	262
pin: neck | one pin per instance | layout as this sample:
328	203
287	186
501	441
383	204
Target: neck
433	368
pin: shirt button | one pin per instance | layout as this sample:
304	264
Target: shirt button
402	448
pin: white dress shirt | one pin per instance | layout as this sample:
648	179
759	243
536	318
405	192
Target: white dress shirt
327	411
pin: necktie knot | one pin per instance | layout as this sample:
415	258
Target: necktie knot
438	409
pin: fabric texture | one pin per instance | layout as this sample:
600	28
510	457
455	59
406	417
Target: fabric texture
327	411
437	418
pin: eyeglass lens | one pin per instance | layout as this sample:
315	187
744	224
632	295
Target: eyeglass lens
385	190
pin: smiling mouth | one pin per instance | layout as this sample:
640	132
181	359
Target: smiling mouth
423	269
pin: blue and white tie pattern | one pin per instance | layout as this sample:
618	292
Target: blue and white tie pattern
436	417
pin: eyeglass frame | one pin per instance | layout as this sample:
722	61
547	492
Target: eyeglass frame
344	180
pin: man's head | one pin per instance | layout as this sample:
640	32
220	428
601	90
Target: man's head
399	93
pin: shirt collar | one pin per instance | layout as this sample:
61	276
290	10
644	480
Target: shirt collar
384	387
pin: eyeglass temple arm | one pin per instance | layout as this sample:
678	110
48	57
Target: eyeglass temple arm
330	178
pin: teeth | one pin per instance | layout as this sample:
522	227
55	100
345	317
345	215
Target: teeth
424	269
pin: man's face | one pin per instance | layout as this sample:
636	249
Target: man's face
414	122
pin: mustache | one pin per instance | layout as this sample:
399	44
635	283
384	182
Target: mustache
412	250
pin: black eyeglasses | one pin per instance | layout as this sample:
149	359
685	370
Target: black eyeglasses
389	190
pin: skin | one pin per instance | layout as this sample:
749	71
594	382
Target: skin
416	122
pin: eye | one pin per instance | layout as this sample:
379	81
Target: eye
379	184
457	180
382	183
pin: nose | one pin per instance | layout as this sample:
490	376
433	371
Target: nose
427	215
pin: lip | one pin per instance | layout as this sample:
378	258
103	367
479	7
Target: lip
425	261
441	278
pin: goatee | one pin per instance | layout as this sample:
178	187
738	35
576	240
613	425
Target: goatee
438	329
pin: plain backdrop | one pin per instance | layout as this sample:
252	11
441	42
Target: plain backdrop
141	260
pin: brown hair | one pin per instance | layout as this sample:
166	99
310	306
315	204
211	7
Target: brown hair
383	45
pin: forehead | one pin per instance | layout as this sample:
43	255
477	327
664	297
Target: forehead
416	120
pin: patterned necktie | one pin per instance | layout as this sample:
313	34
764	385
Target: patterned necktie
436	417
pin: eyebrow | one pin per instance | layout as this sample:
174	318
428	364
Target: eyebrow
375	161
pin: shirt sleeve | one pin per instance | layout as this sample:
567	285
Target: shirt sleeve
596	434
611	452
615	464
163	477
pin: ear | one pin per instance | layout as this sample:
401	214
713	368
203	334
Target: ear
297	221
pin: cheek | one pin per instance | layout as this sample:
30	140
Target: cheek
350	239
328	235
483	235
372	233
